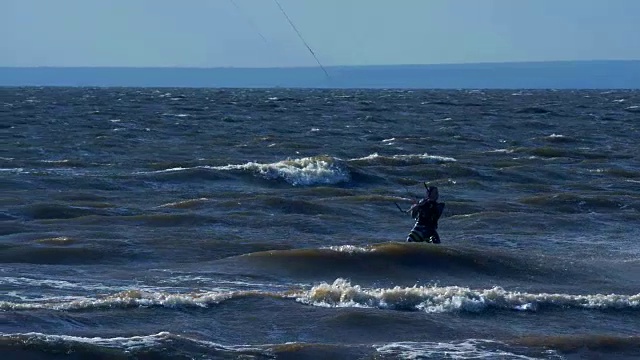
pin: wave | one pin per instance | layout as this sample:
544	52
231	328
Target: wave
551	152
436	299
619	345
620	172
63	253
295	206
570	203
156	219
163	345
51	211
136	298
24	282
65	163
185	204
388	259
451	103
341	293
316	170
169	345
10	225
535	110
307	171
462	349
13	170
558	138
189	173
399	160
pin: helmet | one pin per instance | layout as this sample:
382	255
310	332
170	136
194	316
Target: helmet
432	193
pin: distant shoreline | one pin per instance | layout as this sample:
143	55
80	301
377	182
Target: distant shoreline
596	74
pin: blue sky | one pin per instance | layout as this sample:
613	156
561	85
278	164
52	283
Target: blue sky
213	33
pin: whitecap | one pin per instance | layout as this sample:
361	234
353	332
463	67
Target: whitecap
351	249
406	158
303	171
128	298
13	170
436	299
465	349
129	343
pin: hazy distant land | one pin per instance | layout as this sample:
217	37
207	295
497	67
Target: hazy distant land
529	75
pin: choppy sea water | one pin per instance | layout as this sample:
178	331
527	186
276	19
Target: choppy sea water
180	223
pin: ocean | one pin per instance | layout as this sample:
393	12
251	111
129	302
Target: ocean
178	223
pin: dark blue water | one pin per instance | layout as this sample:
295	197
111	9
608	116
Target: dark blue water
179	223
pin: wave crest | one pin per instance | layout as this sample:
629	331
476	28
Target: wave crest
304	171
398	160
435	299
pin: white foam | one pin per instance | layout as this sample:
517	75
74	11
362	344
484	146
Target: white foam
454	298
504	151
176	115
467	349
175	169
14	170
303	171
184	202
349	249
406	158
55	161
129	343
431	299
129	298
22	281
45	300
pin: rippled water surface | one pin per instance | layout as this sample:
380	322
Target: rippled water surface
179	223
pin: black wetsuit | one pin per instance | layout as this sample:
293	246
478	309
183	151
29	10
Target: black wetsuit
426	213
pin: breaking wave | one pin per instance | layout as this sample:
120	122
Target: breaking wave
305	171
341	293
464	349
435	299
134	298
316	170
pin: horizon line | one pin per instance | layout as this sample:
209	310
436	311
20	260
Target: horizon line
313	67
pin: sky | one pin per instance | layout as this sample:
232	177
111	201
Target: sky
254	33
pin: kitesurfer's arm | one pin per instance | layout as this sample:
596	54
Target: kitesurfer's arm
415	209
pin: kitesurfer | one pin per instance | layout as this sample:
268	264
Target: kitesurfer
426	213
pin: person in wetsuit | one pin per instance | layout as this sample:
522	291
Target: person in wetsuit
426	212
